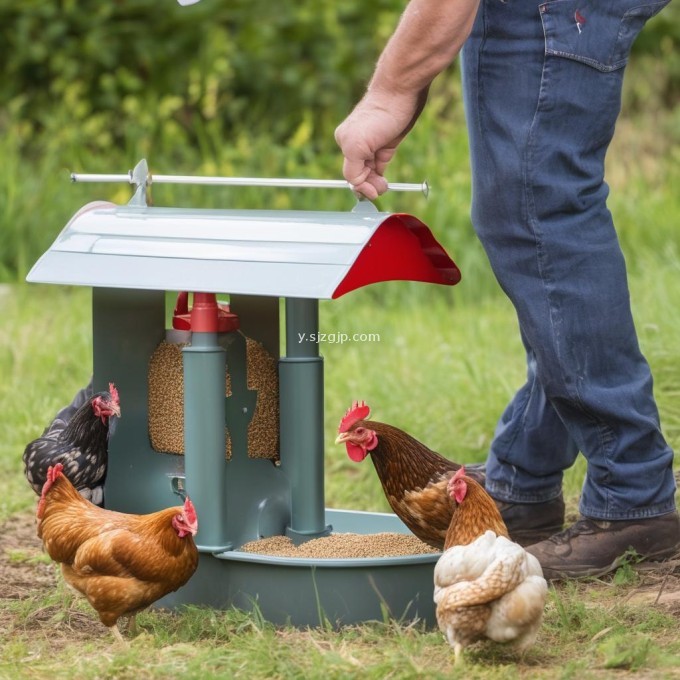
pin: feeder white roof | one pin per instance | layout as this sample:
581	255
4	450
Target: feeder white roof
305	254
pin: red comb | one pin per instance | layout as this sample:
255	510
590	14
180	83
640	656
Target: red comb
114	393
53	473
358	411
460	472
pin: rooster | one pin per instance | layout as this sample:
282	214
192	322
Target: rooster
79	443
121	563
485	586
413	477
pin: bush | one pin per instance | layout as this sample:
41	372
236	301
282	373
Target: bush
230	87
144	63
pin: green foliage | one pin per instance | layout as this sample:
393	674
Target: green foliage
657	48
626	574
232	88
98	76
185	72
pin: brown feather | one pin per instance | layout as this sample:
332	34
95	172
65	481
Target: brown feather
121	562
414	479
476	514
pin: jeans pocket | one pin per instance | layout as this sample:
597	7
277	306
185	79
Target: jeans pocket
598	33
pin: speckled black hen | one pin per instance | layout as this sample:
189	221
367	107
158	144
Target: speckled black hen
78	441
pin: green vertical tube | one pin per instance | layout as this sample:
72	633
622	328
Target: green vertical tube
204	438
301	411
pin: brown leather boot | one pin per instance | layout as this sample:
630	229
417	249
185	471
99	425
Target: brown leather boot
595	547
529	523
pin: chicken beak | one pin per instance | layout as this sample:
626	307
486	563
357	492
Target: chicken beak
342	437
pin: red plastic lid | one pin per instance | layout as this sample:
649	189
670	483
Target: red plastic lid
205	316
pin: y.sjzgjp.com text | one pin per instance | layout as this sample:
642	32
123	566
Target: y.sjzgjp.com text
338	338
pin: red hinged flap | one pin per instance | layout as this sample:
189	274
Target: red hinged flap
402	248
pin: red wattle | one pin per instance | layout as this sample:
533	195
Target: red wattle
356	453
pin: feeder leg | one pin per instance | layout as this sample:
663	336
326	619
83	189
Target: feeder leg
205	439
301	415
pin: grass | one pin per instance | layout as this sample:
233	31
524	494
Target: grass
446	363
448	392
578	638
441	370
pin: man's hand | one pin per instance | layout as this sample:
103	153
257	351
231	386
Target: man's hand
369	136
429	36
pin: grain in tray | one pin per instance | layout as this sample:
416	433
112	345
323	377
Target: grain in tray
341	546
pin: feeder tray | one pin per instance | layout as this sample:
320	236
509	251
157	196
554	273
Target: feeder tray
131	256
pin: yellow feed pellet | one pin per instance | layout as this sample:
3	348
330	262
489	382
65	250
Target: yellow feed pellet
341	546
166	401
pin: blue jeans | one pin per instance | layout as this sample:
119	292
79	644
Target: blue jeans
542	88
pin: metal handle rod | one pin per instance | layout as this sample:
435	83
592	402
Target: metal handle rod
83	177
244	181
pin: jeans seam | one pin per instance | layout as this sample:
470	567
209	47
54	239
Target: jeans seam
606	437
480	54
520	424
534	223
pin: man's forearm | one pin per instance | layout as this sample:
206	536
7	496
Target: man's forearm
429	36
427	39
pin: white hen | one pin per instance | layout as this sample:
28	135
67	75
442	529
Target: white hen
491	588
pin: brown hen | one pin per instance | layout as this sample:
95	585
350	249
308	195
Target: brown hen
485	586
474	512
414	478
122	563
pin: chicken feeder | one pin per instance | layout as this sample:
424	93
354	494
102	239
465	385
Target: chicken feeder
253	460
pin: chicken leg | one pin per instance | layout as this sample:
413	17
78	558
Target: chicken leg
117	634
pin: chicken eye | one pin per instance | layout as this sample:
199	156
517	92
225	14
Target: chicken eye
360	431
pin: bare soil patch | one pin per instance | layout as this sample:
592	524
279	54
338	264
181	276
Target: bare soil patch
22	572
26	578
660	586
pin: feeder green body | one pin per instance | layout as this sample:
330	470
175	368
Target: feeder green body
205	464
130	256
301	409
